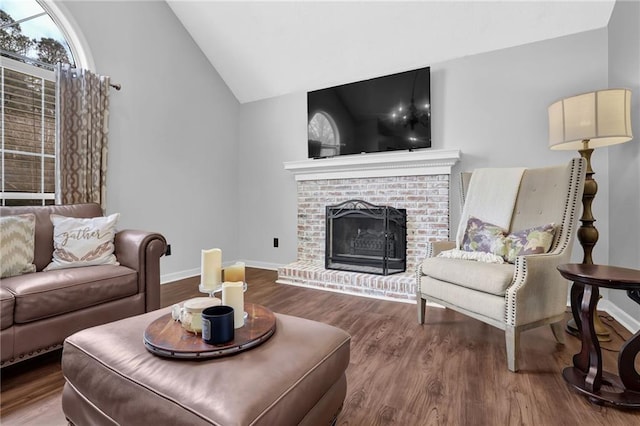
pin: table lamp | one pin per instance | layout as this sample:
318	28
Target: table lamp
584	122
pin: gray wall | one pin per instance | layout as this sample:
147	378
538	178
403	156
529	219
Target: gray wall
188	161
270	132
493	107
172	152
624	160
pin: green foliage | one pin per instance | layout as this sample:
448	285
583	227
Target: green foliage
48	50
11	37
51	51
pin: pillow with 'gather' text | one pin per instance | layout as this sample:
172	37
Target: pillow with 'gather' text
83	241
17	244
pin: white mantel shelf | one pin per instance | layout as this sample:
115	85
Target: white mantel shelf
380	164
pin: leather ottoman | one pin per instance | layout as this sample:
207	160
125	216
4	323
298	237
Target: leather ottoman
295	377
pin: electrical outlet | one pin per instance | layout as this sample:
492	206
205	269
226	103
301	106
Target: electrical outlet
275	242
168	250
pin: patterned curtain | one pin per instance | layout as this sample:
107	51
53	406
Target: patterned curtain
82	114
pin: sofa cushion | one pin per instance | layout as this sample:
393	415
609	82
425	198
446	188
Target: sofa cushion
17	244
6	308
46	294
490	278
82	242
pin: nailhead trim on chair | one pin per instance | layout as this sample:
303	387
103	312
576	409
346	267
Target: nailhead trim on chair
577	165
566	228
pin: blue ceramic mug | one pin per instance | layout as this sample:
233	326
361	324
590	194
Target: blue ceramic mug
217	324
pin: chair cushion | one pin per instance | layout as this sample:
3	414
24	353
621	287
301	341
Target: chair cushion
490	278
484	304
46	294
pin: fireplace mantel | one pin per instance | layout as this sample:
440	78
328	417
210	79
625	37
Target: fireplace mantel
381	164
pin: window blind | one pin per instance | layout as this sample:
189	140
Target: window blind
27	147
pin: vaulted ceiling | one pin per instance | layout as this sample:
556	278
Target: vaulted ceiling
264	49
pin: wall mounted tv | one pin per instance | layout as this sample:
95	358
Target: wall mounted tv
381	114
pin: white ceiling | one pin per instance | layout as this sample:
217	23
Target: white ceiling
264	49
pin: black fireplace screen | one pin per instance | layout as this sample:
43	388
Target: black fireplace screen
363	237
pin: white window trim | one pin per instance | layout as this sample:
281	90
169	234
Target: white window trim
334	127
27	68
71	31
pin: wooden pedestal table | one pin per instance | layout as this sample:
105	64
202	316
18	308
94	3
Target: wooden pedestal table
587	375
166	337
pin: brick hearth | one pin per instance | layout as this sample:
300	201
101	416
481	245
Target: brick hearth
422	189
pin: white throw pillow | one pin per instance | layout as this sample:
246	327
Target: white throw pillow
83	242
479	256
17	244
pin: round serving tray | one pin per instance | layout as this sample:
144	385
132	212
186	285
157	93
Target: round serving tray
166	337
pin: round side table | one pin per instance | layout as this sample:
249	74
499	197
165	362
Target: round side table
586	375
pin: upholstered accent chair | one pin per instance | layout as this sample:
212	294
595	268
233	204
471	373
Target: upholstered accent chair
517	296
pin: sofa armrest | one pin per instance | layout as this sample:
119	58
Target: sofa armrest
435	247
141	251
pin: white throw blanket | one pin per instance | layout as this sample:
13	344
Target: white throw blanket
491	197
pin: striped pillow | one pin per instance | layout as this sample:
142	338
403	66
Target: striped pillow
17	244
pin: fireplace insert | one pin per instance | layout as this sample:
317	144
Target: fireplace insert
363	237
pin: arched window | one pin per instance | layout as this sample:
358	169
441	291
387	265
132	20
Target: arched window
323	135
34	36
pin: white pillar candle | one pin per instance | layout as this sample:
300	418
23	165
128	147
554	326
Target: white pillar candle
233	295
234	272
211	268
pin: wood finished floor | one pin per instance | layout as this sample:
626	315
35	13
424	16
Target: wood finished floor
450	371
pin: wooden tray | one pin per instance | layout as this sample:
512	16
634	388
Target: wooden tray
166	337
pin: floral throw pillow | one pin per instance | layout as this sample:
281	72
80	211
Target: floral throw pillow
17	239
530	241
483	236
486	237
83	241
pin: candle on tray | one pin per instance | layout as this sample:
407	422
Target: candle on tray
234	272
233	295
211	268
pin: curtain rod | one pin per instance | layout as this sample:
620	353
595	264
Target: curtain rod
116	86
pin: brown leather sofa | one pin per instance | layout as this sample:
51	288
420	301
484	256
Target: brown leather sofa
39	310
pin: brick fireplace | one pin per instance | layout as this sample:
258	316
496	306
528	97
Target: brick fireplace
415	181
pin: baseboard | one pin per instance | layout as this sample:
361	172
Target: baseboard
177	276
262	265
181	275
623	318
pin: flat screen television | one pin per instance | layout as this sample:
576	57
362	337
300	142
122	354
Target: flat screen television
381	114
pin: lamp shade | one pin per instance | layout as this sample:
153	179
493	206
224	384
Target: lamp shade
602	118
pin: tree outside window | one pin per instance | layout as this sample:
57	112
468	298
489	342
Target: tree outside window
30	45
